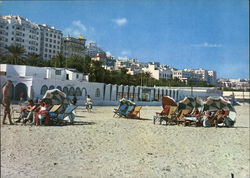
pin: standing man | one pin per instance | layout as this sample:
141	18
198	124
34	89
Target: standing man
6	101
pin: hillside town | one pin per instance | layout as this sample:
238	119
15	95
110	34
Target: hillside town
47	41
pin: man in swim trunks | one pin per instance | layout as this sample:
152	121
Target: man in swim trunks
6	101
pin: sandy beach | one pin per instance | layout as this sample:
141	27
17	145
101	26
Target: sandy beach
99	145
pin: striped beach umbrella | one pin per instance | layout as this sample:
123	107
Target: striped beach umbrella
190	103
167	100
217	103
56	96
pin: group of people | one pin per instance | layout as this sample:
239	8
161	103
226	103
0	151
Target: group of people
209	118
38	114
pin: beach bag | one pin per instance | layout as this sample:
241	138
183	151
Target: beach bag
228	122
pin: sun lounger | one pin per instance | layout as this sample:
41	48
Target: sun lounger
122	108
135	113
181	115
67	113
170	117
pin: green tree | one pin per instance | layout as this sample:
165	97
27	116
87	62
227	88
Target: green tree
58	61
34	59
16	54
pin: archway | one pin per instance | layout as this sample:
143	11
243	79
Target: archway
43	89
59	88
51	87
84	92
21	91
78	92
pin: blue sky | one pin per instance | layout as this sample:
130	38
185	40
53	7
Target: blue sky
206	34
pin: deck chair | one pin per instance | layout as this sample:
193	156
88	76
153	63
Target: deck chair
122	108
169	118
162	115
128	110
136	113
181	115
67	113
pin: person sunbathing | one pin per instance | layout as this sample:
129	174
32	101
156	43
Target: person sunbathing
27	112
208	119
194	113
41	113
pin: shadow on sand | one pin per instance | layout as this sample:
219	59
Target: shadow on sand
143	119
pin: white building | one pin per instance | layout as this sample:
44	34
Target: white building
51	41
73	46
34	38
203	74
15	30
92	50
33	82
212	77
158	71
234	83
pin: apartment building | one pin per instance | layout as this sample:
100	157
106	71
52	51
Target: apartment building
92	50
73	46
51	41
34	38
18	31
158	71
212	77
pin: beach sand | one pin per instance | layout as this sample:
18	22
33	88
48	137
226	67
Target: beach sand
99	145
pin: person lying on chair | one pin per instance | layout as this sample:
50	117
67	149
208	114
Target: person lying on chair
27	112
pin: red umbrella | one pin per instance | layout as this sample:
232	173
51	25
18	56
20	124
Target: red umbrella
167	100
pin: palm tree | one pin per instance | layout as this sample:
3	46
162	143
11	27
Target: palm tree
34	60
16	54
147	75
58	61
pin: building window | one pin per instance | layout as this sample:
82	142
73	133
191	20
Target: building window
78	92
97	92
71	91
43	89
58	72
59	88
51	87
77	75
50	40
65	90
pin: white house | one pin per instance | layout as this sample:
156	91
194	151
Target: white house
33	82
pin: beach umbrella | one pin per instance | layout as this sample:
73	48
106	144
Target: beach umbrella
167	100
190	103
56	96
217	103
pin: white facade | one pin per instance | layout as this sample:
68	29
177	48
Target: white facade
51	41
212	77
35	81
92	50
34	38
157	71
73	46
15	30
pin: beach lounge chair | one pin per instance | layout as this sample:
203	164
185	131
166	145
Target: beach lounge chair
136	113
129	109
181	115
122	108
58	118
170	116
